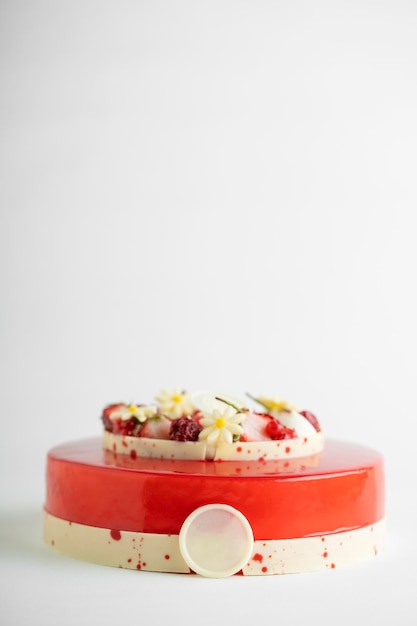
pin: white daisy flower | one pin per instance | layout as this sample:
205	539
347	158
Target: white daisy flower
175	403
142	413
222	425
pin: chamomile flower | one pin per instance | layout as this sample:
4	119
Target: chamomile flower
141	413
275	404
222	425
174	404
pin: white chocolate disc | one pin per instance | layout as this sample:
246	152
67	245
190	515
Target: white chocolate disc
216	540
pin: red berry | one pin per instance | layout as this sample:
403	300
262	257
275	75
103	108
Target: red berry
156	428
184	429
312	419
107	411
128	427
254	426
277	431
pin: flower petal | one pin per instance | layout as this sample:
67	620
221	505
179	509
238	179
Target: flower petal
213	436
207	421
237	418
226	435
205	432
235	429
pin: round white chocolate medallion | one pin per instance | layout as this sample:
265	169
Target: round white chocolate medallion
216	540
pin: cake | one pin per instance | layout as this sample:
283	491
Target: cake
214	485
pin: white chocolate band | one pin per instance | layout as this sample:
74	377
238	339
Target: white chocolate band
162	553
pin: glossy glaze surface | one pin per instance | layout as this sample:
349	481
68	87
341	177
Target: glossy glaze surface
341	488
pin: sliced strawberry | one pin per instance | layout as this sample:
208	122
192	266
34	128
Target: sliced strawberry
255	427
312	419
197	416
278	431
156	428
128	427
107	411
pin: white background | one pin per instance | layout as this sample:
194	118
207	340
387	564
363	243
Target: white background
216	195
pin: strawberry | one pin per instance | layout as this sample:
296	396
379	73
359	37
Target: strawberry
264	427
128	427
156	428
255	427
276	430
196	417
312	419
107	411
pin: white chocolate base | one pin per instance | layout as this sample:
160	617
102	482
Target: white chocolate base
161	553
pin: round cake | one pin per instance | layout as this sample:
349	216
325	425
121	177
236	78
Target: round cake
210	484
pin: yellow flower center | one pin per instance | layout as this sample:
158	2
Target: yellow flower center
177	398
220	422
275	405
133	408
280	406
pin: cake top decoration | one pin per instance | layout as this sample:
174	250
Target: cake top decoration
216	423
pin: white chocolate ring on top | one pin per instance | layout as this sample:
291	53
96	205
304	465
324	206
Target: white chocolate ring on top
199	450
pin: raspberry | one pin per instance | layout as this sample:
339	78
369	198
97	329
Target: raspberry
184	429
276	431
312	419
